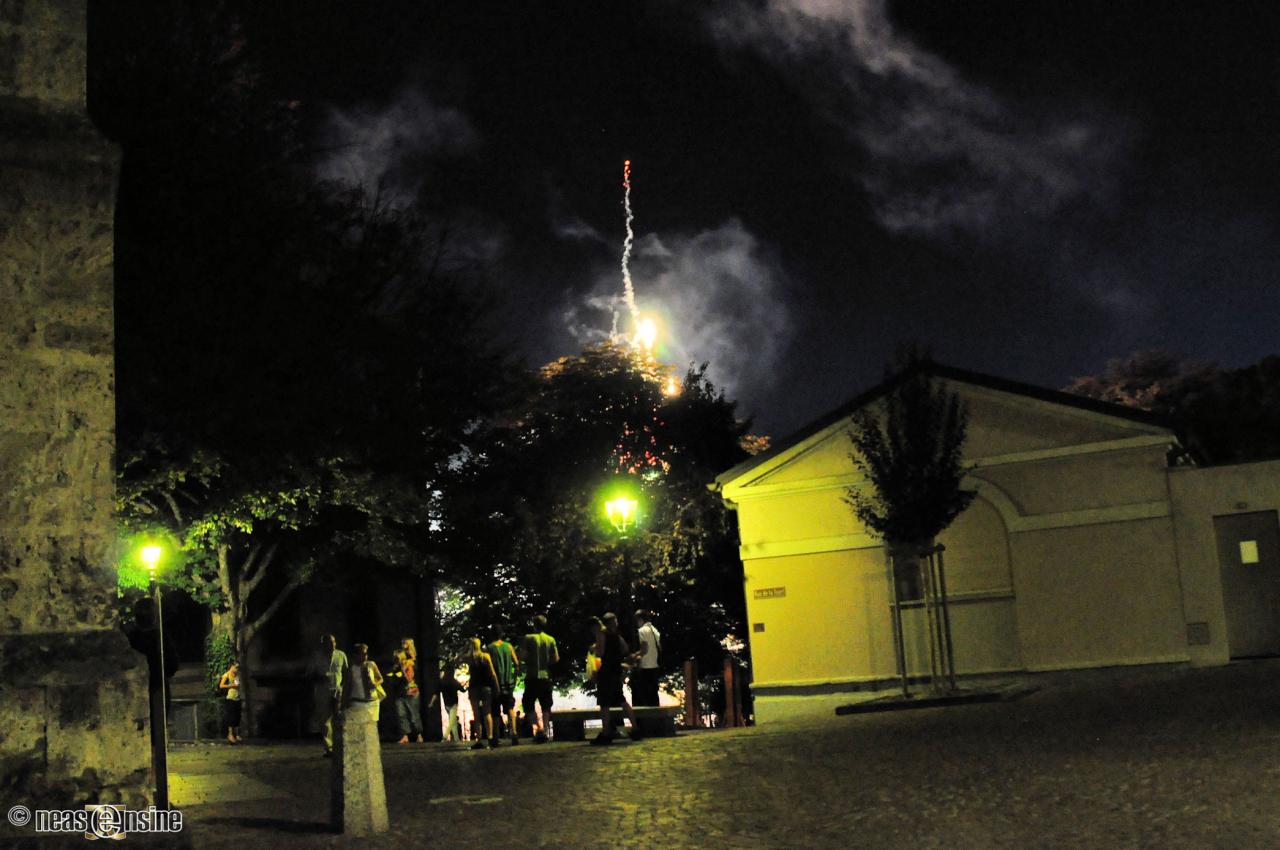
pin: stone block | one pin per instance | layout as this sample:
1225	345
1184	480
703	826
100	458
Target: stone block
43	53
359	796
73	710
60	581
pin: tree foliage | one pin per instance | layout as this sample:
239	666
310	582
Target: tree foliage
1225	415
532	533
298	363
910	449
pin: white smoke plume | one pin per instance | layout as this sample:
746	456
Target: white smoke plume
382	149
719	296
940	154
628	290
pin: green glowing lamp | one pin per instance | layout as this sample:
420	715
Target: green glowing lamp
622	513
150	557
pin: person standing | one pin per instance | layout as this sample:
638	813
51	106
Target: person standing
362	686
143	637
447	692
405	689
538	651
335	680
229	684
481	689
644	679
507	666
612	650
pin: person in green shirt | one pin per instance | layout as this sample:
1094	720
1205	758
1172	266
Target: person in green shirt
507	666
538	651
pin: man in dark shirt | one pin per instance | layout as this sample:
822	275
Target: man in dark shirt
447	692
142	637
538	651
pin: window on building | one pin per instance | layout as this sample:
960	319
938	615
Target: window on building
1248	551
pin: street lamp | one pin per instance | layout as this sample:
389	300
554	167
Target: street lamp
621	511
622	514
150	555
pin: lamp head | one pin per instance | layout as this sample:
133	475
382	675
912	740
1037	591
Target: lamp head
621	512
150	556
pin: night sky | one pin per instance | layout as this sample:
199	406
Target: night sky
1028	189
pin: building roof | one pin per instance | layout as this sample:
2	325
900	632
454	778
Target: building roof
949	373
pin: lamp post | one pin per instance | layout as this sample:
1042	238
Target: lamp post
159	716
621	511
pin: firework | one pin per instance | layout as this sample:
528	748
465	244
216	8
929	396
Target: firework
628	291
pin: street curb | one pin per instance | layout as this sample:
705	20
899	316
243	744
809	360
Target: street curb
899	703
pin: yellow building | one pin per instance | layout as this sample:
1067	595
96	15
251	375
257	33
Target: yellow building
1092	542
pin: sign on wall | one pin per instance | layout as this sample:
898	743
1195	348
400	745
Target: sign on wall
770	592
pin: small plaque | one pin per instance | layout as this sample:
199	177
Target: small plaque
770	593
757	627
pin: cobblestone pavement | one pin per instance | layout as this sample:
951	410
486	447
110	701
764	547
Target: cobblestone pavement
1150	757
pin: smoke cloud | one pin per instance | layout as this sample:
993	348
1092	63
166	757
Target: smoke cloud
719	296
384	150
942	155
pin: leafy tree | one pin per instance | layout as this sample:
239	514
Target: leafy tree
911	453
298	364
910	449
1226	415
531	528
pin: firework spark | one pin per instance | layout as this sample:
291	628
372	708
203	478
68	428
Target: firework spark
628	291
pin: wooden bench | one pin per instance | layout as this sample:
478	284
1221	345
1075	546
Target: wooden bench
655	721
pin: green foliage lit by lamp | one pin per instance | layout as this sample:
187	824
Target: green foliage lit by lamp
590	430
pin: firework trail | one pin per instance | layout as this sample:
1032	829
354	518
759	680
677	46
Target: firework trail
628	291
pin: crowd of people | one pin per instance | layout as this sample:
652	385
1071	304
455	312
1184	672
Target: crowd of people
493	672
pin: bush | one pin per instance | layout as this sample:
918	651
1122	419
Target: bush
219	653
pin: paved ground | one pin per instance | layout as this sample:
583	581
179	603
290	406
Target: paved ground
1160	758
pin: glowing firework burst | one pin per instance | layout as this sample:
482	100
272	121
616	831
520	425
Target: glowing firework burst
646	334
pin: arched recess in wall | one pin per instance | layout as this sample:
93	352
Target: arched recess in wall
998	498
977	543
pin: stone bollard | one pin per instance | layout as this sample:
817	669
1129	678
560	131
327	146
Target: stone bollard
358	796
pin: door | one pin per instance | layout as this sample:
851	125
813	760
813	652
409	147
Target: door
1249	555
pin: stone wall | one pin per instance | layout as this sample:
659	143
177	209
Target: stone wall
73	705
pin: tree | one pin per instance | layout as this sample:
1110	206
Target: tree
910	450
531	530
298	363
1224	415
